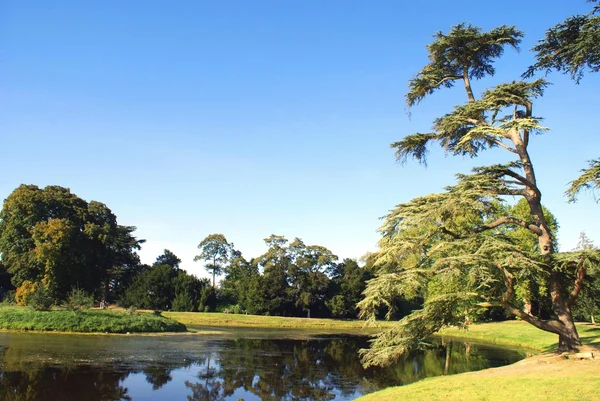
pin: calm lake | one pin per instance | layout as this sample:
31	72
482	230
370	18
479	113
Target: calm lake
232	365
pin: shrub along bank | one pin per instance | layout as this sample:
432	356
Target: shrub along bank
86	321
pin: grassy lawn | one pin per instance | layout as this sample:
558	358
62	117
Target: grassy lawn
274	322
535	378
85	321
546	376
521	334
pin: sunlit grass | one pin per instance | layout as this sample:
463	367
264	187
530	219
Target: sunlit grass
542	377
276	322
85	321
521	334
559	380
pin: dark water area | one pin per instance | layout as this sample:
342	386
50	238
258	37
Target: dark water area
229	366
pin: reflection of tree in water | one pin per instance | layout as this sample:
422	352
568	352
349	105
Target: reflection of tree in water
158	376
208	388
313	369
269	369
440	358
63	384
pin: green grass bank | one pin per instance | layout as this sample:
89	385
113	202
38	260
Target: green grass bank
522	335
545	376
271	322
85	321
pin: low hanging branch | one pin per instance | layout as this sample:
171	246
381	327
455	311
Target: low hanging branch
509	220
550	326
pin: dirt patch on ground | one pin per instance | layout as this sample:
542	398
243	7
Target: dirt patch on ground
550	363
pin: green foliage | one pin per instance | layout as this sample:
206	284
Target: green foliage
570	46
465	51
6	286
183	302
589	180
587	306
151	289
163	286
40	299
191	286
51	236
294	280
168	258
348	281
8	299
85	321
240	285
78	299
208	299
465	249
217	251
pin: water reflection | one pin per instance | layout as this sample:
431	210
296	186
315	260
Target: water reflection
43	367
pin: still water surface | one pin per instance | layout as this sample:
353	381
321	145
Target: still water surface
248	365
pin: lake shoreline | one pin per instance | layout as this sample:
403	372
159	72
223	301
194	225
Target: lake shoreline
544	375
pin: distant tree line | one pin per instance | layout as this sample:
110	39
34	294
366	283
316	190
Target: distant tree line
54	244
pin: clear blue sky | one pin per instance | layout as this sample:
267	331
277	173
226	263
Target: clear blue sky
249	118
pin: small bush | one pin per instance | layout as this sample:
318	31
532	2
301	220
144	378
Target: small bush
183	302
9	299
131	310
235	309
24	291
78	299
86	321
40	299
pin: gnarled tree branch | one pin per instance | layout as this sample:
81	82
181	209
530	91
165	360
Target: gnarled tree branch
510	220
551	326
579	278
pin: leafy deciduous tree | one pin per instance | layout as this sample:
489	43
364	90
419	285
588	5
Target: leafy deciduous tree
217	251
308	280
52	237
348	281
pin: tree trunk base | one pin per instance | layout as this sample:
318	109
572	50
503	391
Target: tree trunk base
568	342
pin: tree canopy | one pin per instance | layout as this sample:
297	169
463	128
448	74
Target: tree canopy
570	46
456	249
53	238
217	251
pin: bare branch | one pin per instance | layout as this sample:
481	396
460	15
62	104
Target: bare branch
502	144
524	180
468	84
546	325
450	233
510	220
448	78
528	112
579	278
509	293
509	192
